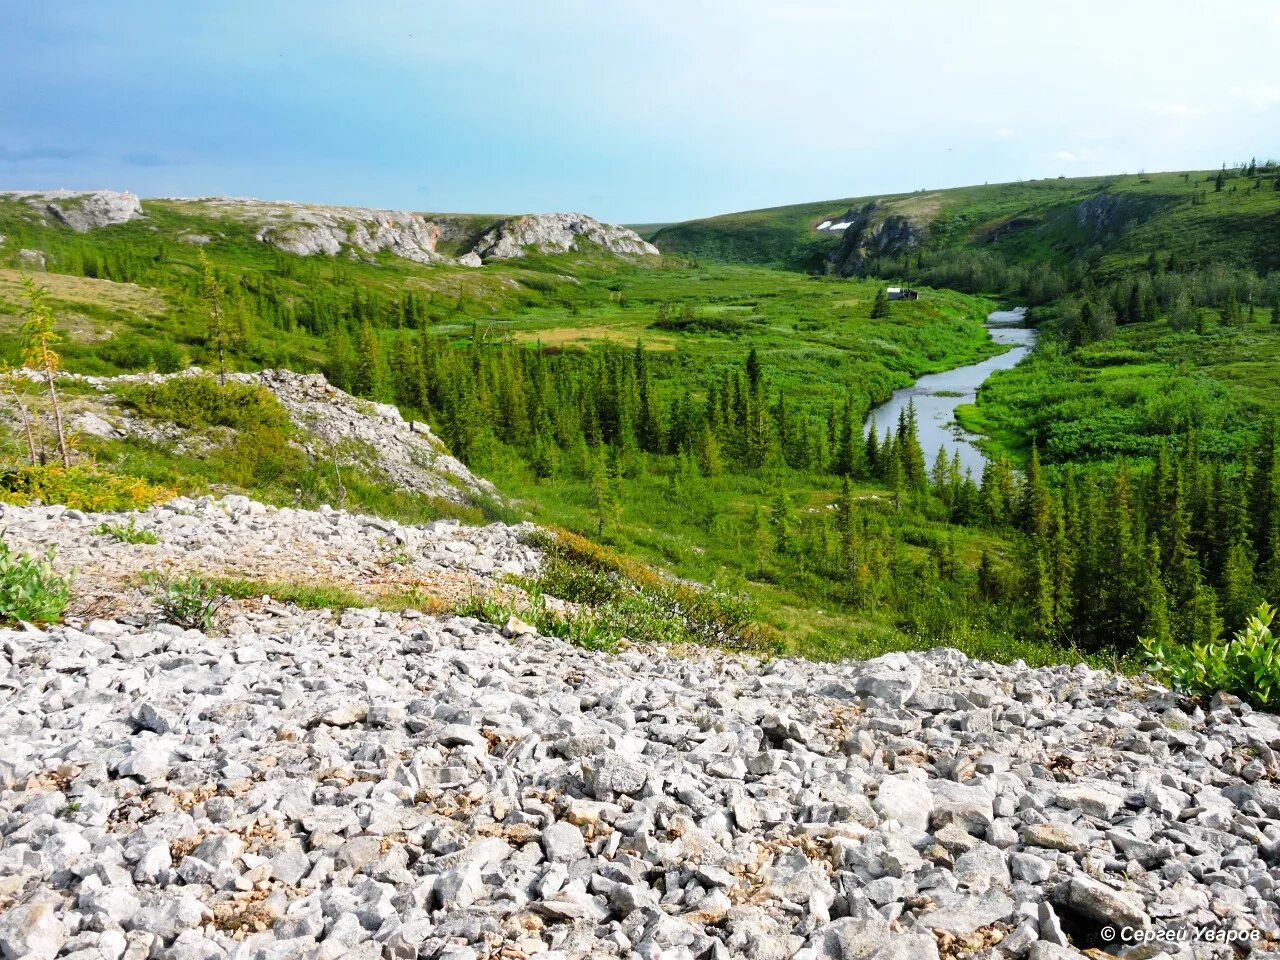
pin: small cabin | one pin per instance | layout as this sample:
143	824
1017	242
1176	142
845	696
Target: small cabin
902	293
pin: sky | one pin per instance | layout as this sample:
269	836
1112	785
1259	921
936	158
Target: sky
633	112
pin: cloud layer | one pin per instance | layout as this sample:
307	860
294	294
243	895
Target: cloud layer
636	112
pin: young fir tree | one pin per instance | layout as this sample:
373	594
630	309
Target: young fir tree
218	324
39	340
1240	594
880	305
844	524
1155	624
710	461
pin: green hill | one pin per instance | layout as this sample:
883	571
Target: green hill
1110	220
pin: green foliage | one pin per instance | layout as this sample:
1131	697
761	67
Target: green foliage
200	401
126	532
31	590
1247	665
190	602
616	599
81	487
880	307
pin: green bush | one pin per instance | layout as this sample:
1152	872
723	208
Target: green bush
624	600
194	402
126	532
30	589
260	456
190	603
1247	665
81	487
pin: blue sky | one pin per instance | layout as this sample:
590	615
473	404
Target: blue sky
632	112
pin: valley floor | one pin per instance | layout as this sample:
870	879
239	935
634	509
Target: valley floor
326	783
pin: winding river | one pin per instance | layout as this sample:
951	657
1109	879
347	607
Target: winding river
937	395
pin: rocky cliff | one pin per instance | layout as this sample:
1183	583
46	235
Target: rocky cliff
872	231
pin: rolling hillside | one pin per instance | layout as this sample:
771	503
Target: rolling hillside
1114	220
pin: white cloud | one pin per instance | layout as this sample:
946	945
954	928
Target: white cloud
1175	109
1077	155
1259	97
1004	133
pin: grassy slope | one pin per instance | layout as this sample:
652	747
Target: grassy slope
1026	221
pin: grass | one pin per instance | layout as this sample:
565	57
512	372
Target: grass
328	596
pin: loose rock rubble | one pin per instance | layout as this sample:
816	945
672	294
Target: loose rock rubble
239	537
316	784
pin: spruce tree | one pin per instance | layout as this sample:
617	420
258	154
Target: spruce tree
1034	502
1040	596
910	453
1240	594
880	305
366	373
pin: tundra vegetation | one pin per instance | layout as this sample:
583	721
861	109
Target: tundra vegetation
702	412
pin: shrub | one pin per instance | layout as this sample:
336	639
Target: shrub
30	589
625	599
194	402
190	603
81	487
132	352
126	532
1247	665
261	456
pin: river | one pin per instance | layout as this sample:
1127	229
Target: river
937	395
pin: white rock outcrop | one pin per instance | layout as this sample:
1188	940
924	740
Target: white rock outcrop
558	233
83	211
307	230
